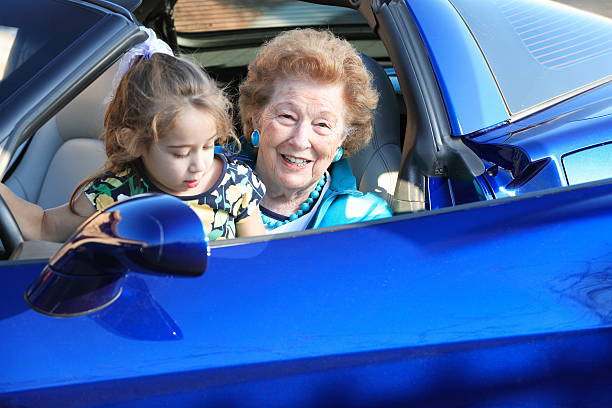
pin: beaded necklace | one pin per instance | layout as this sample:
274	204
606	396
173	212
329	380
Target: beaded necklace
271	223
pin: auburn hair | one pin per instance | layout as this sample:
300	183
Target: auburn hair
319	56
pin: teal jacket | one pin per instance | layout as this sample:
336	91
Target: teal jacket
342	203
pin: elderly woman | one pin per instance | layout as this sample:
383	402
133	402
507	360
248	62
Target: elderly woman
306	104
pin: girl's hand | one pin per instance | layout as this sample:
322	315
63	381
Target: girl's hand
251	226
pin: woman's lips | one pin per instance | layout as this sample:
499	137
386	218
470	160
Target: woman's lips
294	161
192	183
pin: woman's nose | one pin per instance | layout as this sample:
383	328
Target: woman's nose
301	136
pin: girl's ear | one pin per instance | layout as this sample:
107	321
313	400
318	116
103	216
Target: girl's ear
127	139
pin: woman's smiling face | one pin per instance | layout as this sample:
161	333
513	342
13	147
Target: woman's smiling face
301	128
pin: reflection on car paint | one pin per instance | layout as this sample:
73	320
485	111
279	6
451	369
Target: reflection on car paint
136	315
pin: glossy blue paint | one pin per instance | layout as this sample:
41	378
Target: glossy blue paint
588	105
548	137
266	315
445	192
497	179
439	194
148	233
471	96
491	375
546	175
136	315
566	133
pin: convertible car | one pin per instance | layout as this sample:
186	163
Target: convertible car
491	286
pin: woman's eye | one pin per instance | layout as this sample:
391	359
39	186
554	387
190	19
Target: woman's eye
286	116
324	125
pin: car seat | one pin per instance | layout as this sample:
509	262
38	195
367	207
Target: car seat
376	166
65	150
62	153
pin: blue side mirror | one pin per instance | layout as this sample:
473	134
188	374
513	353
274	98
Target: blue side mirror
149	233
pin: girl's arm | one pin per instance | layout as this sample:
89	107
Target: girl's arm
251	225
55	224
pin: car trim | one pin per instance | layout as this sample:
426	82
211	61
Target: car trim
109	5
559	99
592	187
436	152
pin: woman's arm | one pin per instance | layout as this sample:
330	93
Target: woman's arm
251	225
55	224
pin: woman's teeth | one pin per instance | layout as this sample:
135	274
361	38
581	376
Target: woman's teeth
295	160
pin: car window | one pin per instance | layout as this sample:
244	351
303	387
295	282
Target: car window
25	45
560	48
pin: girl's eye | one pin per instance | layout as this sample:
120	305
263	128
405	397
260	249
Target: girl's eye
180	156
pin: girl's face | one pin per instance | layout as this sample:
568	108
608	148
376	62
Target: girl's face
182	162
301	129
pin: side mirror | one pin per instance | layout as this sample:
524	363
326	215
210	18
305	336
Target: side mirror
149	233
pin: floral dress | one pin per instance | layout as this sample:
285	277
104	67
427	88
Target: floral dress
234	196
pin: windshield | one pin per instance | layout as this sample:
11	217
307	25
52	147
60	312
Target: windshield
539	49
201	16
29	40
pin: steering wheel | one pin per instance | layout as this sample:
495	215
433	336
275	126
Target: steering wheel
10	234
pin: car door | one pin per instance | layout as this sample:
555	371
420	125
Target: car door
508	300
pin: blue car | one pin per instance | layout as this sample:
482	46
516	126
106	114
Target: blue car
491	286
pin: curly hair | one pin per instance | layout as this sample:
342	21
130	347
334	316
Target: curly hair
321	57
148	98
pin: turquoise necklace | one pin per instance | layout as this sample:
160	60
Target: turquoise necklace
271	223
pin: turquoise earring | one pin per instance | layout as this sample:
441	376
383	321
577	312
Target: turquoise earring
338	155
255	138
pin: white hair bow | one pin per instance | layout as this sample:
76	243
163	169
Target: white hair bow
146	49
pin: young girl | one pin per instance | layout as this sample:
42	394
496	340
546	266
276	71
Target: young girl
160	129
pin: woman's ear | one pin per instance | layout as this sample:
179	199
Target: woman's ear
258	120
255	123
345	134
